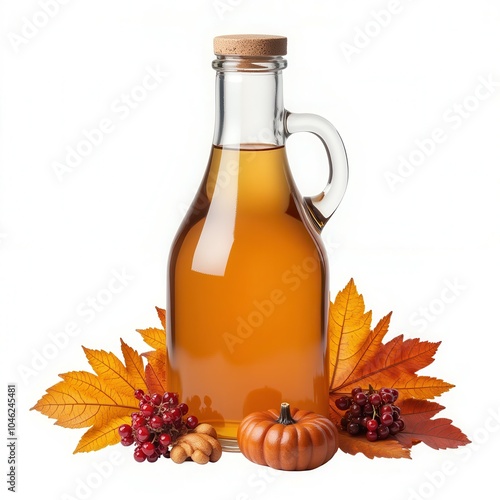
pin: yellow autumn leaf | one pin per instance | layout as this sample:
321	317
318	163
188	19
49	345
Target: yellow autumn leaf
420	386
82	399
349	327
111	370
135	367
162	313
408	385
97	438
154	337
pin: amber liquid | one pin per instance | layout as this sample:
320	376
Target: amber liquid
247	295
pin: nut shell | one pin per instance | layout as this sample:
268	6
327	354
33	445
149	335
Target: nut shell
201	446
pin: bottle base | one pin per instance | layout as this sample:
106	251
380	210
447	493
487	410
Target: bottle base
230	445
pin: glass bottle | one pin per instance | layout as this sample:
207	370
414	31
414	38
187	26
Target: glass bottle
248	292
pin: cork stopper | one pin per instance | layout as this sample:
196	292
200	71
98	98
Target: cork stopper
250	45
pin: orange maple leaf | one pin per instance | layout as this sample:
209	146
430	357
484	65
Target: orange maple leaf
420	427
156	369
359	358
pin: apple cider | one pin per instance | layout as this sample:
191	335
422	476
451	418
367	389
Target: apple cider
247	303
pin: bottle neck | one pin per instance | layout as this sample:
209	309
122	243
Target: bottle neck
249	109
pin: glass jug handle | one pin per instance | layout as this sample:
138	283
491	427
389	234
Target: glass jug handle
323	205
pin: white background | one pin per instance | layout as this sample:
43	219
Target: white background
386	73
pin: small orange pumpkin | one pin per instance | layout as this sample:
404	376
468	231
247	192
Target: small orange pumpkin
289	439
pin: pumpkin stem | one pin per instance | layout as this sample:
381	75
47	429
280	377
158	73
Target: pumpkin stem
285	417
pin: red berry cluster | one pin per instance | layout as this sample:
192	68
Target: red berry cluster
158	423
371	412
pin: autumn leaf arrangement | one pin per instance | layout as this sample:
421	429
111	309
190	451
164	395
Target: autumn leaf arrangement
360	358
102	401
